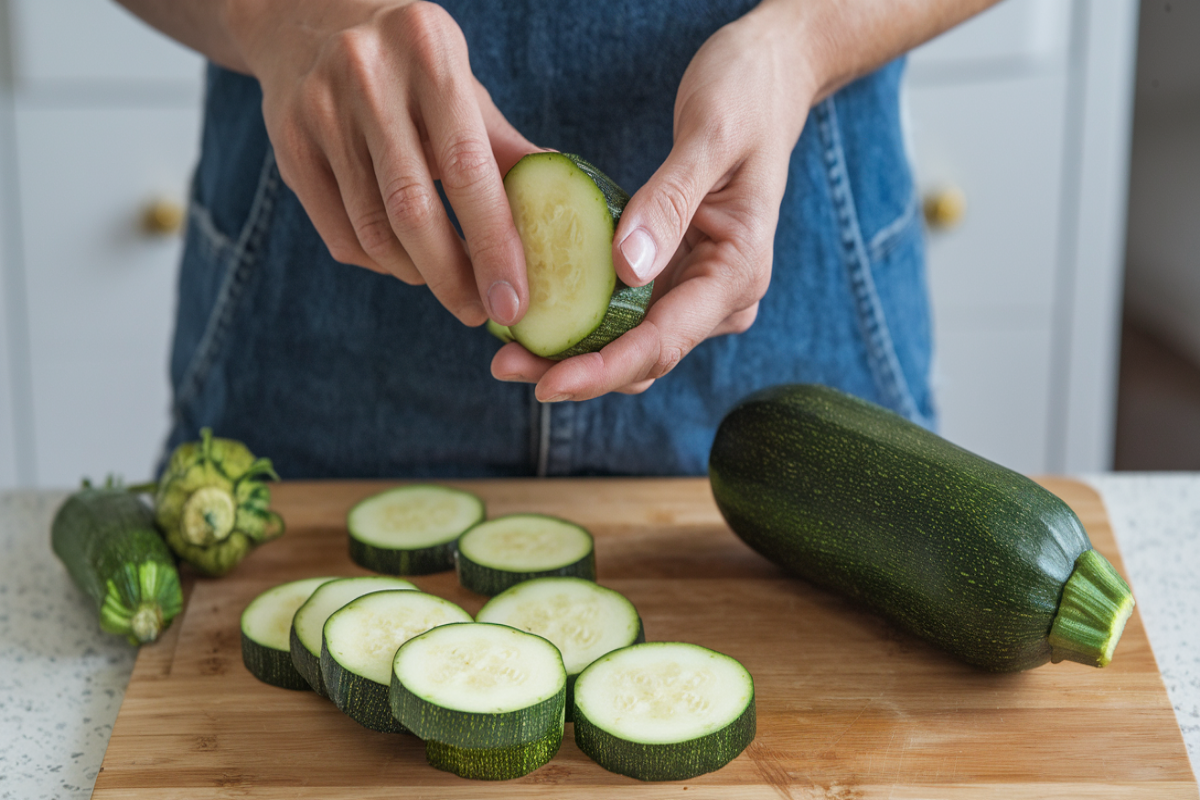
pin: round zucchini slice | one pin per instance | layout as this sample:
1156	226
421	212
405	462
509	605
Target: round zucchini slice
411	530
504	551
664	711
478	685
566	211
581	618
266	626
304	639
358	644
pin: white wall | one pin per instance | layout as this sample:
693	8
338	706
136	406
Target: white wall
1162	285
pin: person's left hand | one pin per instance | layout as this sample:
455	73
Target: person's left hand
703	227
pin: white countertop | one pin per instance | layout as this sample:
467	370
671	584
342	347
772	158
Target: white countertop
62	680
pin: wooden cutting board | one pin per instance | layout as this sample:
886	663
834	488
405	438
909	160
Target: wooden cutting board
848	707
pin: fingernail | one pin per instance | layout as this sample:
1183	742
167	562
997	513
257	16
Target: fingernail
639	250
558	398
502	298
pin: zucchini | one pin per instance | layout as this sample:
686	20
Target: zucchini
566	211
502	552
478	685
266	625
971	556
581	618
496	763
359	641
107	540
411	530
304	639
664	711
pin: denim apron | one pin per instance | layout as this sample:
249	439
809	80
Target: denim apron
335	371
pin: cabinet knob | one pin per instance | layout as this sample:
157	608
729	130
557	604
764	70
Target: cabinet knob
944	207
163	217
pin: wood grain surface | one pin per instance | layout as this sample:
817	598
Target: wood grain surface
848	707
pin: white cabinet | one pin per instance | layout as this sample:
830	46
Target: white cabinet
1023	115
103	120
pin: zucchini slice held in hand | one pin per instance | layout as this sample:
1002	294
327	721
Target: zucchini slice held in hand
304	639
664	711
266	625
566	211
411	530
361	638
581	618
502	552
487	699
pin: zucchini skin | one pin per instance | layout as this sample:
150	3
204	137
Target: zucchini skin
391	561
362	699
495	763
490	581
954	548
274	667
107	540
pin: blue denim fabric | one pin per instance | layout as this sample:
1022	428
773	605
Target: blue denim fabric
335	371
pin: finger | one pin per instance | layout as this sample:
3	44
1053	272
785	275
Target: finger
657	217
471	178
508	144
737	322
636	388
514	363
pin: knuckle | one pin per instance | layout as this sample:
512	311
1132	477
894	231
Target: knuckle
674	206
344	251
465	163
669	355
375	235
409	203
428	31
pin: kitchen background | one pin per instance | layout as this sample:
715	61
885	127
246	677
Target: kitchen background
1057	146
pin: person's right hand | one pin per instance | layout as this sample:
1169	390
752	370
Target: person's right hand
367	103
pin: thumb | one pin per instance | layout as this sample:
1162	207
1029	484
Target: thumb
656	218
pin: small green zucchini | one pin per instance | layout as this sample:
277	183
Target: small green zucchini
107	540
967	554
566	211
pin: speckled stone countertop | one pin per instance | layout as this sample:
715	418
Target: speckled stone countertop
62	680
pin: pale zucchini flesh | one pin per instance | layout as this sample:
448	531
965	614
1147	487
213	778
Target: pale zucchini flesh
664	710
478	685
309	621
565	211
507	550
266	626
411	530
358	644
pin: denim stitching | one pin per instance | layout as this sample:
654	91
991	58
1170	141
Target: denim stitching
881	351
239	269
890	235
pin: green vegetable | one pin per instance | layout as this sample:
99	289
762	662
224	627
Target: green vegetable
581	618
965	553
359	641
478	685
107	540
664	711
496	763
266	624
566	212
212	503
502	552
308	623
411	530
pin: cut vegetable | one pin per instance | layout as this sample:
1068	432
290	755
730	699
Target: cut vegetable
411	530
504	551
663	711
478	685
266	625
106	539
309	621
495	763
971	556
359	642
566	211
582	619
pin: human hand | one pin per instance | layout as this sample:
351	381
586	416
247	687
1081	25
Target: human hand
703	226
367	103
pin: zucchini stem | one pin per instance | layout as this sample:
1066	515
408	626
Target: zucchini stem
208	516
1095	606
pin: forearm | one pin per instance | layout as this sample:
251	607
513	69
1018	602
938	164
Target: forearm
834	42
198	24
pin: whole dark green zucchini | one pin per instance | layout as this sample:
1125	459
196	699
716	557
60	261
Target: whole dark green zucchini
973	557
108	542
